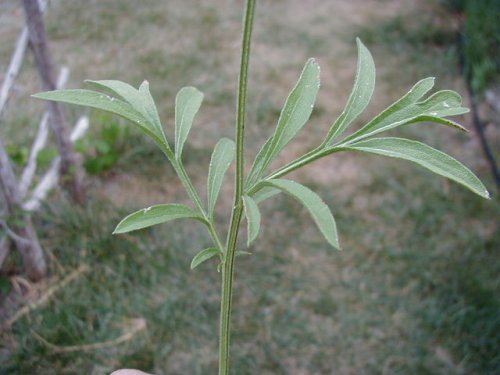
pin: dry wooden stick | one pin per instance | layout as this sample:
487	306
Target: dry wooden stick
16	62
13	235
136	326
50	178
44	297
40	140
31	250
4	249
71	164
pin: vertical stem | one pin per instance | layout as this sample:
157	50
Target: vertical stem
228	269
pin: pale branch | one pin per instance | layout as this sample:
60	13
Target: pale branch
16	61
70	164
136	325
44	297
40	141
31	251
4	249
13	235
51	177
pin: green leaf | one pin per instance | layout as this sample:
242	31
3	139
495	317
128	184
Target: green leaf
295	113
259	163
94	99
149	103
361	94
318	209
239	253
439	120
118	89
203	256
265	193
141	99
222	157
409	110
426	156
252	214
153	215
187	104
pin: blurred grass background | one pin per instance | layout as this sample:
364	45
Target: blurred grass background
416	289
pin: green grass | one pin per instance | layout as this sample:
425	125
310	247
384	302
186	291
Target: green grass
415	291
391	299
455	270
426	42
481	38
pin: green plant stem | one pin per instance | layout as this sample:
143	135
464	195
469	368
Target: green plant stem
305	159
228	267
193	194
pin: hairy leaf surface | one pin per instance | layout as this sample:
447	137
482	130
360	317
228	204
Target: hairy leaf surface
361	94
149	103
409	110
295	113
222	157
252	214
97	100
318	209
157	214
140	99
426	156
265	193
187	104
203	256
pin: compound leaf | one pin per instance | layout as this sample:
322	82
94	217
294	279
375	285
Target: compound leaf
97	100
153	215
318	209
409	110
140	99
222	157
187	104
426	156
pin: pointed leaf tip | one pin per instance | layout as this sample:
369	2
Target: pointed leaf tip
434	160
252	214
187	103
221	159
294	115
120	99
154	215
361	94
203	256
317	208
412	108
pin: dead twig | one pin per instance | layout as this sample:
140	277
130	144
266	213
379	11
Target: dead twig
50	178
13	235
30	306
40	140
4	249
16	62
135	326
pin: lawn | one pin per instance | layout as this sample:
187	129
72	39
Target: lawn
415	289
